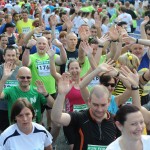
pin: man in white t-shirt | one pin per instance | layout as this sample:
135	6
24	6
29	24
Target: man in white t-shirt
125	17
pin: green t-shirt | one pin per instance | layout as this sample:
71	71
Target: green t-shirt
40	69
35	98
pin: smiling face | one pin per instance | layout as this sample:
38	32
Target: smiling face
24	77
41	45
24	120
74	70
133	126
99	102
137	50
10	56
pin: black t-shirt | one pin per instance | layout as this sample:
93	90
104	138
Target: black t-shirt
132	13
92	132
69	56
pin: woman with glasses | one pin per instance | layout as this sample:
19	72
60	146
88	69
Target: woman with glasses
108	79
24	133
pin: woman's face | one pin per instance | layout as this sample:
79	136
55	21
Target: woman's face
63	40
24	120
133	126
110	85
74	70
137	50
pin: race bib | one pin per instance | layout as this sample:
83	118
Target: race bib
96	147
43	68
25	30
10	83
80	107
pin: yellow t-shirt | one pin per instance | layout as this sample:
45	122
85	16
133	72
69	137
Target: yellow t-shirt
24	27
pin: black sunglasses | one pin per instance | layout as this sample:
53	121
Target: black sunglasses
148	34
109	84
25	77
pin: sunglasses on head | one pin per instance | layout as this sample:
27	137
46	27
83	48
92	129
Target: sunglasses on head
109	84
25	77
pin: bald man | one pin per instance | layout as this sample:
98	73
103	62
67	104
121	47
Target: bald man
39	64
94	126
71	50
36	97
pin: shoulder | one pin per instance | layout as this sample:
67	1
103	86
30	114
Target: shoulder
114	145
11	131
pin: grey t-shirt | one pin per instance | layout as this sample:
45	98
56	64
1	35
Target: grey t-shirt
12	81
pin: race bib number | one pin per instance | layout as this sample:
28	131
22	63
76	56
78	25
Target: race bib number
43	68
10	83
80	107
96	147
25	30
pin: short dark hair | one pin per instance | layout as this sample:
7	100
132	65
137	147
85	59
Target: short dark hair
17	107
106	78
122	113
9	47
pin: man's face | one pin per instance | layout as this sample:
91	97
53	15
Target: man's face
16	17
48	37
4	40
9	19
71	41
25	16
42	45
137	50
95	47
10	56
98	106
24	78
93	32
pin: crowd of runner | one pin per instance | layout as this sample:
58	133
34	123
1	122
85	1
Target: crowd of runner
85	64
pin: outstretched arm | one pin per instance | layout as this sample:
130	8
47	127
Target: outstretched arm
101	68
57	115
6	74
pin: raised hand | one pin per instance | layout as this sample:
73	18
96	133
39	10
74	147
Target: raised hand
38	29
40	87
107	66
132	77
86	47
64	85
98	20
103	39
8	70
57	43
113	33
84	33
53	20
145	21
51	52
31	43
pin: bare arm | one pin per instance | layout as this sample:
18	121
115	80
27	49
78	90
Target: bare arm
84	83
25	58
6	74
53	71
57	115
63	56
142	27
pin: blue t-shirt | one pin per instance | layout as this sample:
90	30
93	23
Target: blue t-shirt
144	62
113	105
